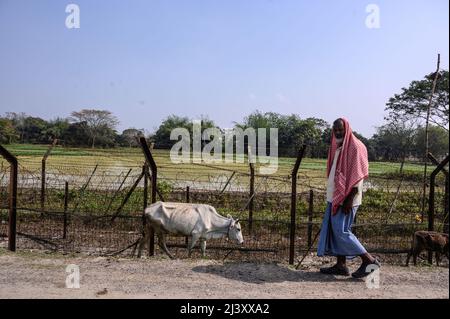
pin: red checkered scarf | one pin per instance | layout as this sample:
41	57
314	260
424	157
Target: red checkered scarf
352	165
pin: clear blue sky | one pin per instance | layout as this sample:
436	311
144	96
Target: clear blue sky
144	60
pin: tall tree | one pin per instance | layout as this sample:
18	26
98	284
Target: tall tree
129	137
96	122
76	135
413	102
393	141
33	130
56	128
438	144
18	121
162	135
292	131
8	133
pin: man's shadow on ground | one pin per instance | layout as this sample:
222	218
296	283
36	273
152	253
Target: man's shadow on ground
259	273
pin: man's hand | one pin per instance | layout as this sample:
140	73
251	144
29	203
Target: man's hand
347	207
348	202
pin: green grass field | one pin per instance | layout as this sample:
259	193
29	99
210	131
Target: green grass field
30	157
115	162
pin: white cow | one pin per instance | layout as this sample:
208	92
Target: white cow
197	221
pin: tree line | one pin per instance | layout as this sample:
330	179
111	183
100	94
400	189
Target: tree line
85	128
402	136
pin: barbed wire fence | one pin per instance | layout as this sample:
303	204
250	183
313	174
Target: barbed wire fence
93	203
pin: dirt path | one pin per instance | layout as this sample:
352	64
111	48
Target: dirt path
40	275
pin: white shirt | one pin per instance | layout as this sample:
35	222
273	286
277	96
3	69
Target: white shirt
357	200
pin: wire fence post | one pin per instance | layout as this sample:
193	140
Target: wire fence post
43	173
430	102
146	175
445	228
145	198
294	204
252	189
66	204
12	198
445	211
117	191
431	206
127	196
186	240
310	216
154	171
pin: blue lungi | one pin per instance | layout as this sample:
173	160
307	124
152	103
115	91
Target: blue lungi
336	237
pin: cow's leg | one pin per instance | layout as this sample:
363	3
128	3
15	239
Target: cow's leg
162	244
417	248
416	252
203	246
409	257
194	239
411	252
143	240
438	258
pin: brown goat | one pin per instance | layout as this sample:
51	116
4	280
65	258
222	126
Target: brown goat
430	241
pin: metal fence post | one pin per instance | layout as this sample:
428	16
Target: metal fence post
252	190
154	171
294	204
186	240
146	175
12	200
43	173
117	191
445	228
431	206
445	213
145	199
310	216
66	204
127	196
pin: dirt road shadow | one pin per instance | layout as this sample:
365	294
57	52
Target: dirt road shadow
260	273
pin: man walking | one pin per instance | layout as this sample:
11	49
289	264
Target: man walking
347	167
